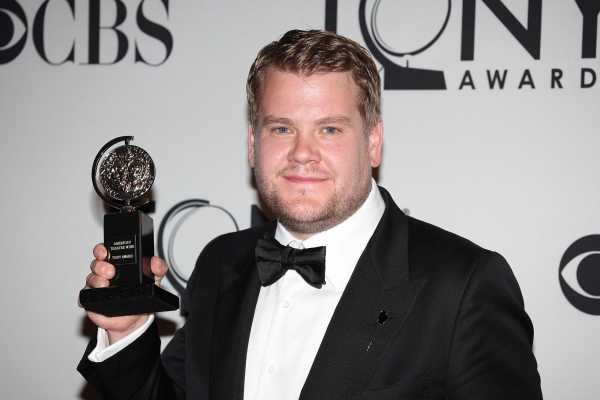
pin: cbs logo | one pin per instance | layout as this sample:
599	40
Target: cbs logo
579	274
57	27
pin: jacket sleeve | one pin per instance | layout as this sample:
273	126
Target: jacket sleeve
133	373
491	352
139	371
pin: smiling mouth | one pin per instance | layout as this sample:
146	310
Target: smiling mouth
304	179
308	175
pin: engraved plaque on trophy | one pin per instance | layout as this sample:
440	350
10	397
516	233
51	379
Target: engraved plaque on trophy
126	173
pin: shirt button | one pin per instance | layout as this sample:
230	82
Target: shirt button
285	304
271	369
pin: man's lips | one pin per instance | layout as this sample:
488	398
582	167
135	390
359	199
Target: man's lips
304	179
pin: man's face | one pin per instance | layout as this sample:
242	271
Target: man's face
310	155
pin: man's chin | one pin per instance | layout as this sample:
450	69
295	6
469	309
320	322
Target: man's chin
304	227
310	218
305	194
306	209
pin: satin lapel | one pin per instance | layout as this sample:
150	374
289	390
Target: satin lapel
355	341
238	293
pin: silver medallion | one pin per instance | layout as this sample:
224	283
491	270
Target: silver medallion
127	172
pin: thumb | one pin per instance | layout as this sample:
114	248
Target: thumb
159	268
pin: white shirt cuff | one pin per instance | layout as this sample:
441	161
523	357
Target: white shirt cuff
103	350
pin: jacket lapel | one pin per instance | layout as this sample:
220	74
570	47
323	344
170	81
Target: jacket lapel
355	338
238	293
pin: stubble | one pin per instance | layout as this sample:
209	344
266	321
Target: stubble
305	215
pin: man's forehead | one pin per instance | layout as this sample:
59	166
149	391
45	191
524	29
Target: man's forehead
276	77
304	74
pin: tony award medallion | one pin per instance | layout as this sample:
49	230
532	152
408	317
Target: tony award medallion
126	173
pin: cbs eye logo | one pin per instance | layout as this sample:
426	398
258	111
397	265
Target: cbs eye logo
13	30
579	274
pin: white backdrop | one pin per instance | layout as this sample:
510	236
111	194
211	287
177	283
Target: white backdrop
515	170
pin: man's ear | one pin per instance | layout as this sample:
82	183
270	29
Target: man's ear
376	143
250	145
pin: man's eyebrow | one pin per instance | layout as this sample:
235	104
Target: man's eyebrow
336	119
271	119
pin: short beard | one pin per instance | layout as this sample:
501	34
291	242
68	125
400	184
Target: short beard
314	218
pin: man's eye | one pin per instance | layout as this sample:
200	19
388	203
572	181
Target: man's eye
330	130
282	130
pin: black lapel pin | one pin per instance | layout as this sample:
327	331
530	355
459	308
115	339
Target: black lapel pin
381	319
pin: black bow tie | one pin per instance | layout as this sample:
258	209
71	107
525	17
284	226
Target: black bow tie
274	260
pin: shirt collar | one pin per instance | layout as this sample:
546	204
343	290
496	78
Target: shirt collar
345	242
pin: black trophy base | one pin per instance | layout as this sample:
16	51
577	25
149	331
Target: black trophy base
128	300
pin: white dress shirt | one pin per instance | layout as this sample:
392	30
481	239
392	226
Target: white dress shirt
291	316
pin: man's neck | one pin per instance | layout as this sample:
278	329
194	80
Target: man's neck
301	236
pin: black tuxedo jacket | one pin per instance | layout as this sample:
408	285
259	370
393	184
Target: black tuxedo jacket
456	326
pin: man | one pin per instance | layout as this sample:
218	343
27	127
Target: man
403	310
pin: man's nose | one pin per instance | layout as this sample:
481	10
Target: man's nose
305	149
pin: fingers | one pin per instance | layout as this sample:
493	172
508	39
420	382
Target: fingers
155	267
96	281
101	273
100	252
102	269
78	301
159	266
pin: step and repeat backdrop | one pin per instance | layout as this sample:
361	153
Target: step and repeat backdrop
491	111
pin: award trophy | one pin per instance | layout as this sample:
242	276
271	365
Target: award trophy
126	173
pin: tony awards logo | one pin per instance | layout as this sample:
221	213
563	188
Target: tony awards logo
396	31
127	173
